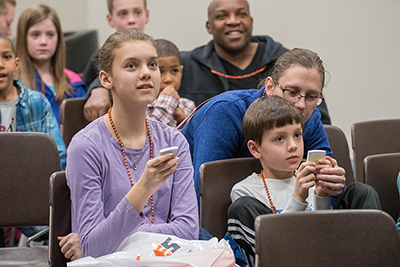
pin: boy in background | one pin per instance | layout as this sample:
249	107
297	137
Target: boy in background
169	108
24	110
7	11
122	15
273	129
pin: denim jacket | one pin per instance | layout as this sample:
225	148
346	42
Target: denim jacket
34	114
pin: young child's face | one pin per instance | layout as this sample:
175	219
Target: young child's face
42	40
135	74
8	65
171	72
128	14
281	150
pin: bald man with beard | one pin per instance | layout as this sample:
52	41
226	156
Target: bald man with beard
234	59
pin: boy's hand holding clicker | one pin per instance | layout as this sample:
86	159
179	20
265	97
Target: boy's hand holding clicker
322	163
330	178
305	180
171	91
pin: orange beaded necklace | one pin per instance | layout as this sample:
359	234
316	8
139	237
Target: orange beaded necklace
266	190
125	160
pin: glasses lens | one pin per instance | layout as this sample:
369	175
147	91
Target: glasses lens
291	95
313	100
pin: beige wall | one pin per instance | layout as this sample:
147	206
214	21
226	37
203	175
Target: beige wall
358	40
72	13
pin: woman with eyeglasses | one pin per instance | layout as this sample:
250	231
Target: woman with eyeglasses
215	130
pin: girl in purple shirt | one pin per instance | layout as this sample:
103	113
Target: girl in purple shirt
119	183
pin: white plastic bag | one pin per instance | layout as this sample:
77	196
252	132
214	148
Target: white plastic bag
149	249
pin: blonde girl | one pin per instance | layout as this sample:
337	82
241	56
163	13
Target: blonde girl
41	49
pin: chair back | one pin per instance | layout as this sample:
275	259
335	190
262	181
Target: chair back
340	148
373	137
72	117
380	172
27	159
327	238
60	216
79	46
216	180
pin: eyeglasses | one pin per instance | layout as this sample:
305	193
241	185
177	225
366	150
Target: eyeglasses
293	96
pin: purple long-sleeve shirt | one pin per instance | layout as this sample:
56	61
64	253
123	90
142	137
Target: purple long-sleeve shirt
97	177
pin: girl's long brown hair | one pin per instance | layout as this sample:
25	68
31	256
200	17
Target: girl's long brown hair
26	73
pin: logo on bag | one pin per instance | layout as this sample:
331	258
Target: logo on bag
166	248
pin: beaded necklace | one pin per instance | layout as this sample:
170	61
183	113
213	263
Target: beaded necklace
125	160
266	190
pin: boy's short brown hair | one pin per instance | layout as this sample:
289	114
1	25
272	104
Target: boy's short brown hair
267	113
110	5
167	48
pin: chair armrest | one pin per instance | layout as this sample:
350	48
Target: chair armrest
38	234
